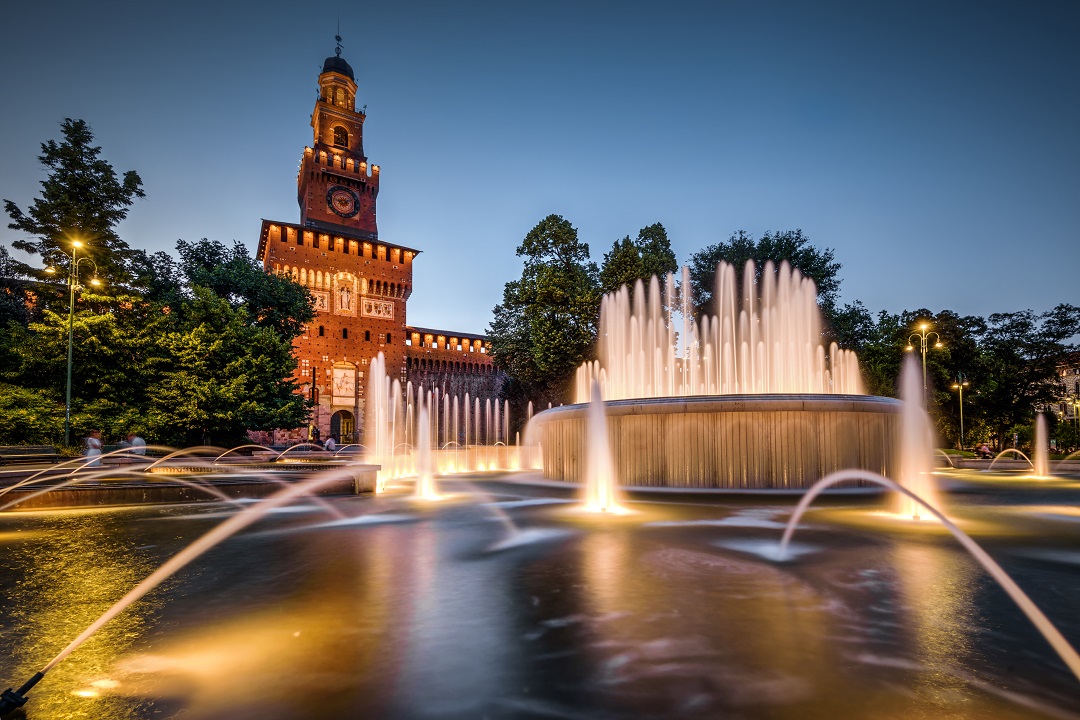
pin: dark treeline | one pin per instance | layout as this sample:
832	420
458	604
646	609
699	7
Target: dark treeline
184	351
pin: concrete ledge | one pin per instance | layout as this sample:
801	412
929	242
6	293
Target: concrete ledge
730	441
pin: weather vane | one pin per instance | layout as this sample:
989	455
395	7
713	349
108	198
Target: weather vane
337	50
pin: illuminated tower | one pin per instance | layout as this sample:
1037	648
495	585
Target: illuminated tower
336	187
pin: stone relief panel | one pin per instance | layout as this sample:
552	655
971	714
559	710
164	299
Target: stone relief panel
381	309
322	301
345	295
344	385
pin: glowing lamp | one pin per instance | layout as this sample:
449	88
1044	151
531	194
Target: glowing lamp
909	348
50	270
76	244
94	281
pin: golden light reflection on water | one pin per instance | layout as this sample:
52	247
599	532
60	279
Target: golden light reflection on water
678	625
937	587
75	568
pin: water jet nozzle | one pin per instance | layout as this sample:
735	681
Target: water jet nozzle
14	699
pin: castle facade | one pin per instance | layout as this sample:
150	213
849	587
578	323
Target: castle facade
361	283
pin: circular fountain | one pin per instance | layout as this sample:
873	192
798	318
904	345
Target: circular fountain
747	399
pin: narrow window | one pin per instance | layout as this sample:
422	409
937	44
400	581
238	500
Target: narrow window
367	336
322	331
341	137
387	338
345	333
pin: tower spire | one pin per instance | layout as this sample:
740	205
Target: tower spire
337	37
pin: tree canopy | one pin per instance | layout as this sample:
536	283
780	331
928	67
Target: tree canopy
639	259
547	320
82	199
819	264
184	351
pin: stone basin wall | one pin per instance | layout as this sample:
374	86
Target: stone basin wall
735	441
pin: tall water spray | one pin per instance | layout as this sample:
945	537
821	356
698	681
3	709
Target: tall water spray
600	481
915	454
378	421
764	338
1041	452
425	465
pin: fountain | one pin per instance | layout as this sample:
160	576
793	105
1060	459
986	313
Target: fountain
916	444
425	467
752	401
1041	451
601	485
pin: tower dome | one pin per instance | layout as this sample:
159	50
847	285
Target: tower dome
336	63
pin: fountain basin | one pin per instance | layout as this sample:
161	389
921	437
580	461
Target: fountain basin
748	442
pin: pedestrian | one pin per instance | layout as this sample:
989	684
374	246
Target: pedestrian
331	444
137	444
93	448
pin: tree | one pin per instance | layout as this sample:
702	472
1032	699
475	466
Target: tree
229	375
543	329
13	306
819	264
630	260
1022	353
273	301
81	199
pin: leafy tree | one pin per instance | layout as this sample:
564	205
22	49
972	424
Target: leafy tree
819	264
13	306
1023	351
81	199
543	329
230	375
272	301
29	415
630	260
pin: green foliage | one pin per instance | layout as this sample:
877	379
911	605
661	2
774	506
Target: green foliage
30	416
13	299
1009	360
543	329
630	260
273	301
81	199
197	368
791	245
1022	352
228	377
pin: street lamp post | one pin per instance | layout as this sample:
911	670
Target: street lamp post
960	384
923	334
73	285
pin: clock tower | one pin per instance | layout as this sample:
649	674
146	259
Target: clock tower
336	187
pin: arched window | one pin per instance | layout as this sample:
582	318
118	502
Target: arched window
339	98
341	137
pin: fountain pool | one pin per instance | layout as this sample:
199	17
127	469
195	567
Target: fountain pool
428	610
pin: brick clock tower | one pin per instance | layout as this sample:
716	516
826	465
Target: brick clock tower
360	284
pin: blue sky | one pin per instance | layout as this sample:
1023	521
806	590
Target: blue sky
934	146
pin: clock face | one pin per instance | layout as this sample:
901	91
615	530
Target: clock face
343	201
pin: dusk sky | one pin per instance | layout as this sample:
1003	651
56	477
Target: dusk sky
935	146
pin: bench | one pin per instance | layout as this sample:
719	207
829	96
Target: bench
28	453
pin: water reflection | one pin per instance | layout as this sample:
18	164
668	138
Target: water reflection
62	575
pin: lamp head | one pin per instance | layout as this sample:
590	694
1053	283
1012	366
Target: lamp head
95	282
938	345
76	243
51	270
909	348
923	326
